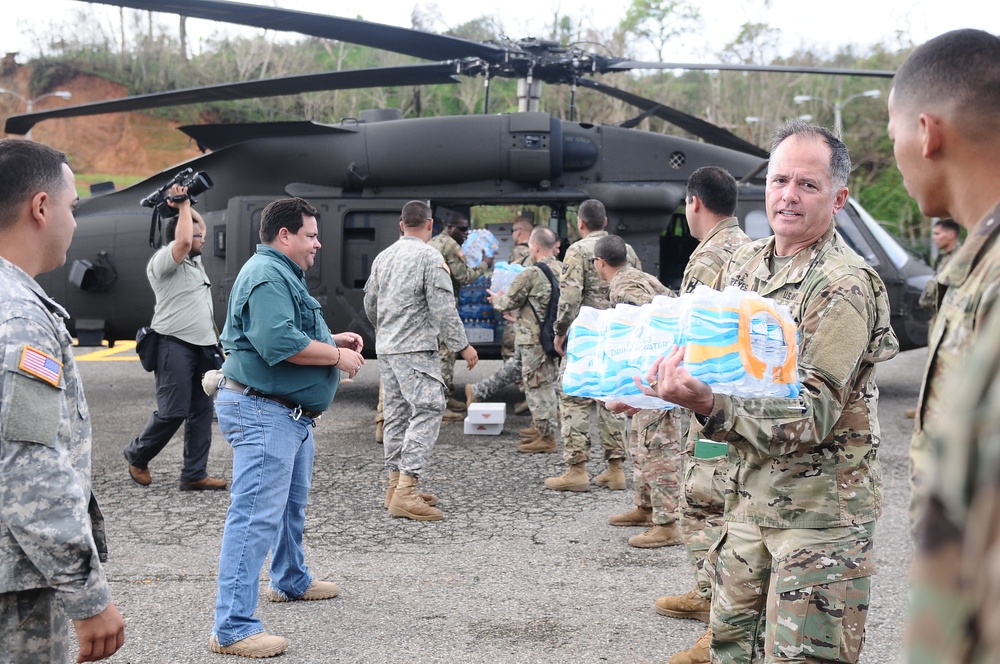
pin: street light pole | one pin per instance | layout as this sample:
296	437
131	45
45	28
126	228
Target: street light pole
838	106
29	104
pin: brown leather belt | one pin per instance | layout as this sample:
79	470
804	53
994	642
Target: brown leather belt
234	386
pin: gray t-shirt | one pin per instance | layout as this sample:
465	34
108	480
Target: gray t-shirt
183	298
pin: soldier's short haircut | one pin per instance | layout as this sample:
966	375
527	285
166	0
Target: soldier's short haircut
592	213
544	238
715	188
27	168
287	213
415	214
523	222
959	69
840	159
611	249
948	225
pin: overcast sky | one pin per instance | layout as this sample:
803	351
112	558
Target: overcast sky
819	26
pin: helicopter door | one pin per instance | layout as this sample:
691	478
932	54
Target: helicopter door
676	246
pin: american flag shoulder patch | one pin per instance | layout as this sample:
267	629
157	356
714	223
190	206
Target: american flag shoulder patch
41	365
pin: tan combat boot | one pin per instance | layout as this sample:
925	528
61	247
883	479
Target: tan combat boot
538	445
521	407
456	405
380	432
406	502
657	536
452	416
699	653
428	498
574	479
690	605
257	646
637	516
613	476
470	396
529	431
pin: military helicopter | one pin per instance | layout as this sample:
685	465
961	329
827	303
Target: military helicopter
360	172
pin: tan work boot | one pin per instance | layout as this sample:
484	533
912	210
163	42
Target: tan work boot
699	653
520	407
538	445
470	396
428	498
911	413
690	605
658	536
452	416
316	590
406	502
637	516
574	479
456	405
529	431
256	646
613	476
380	432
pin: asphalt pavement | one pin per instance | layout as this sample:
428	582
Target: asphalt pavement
514	572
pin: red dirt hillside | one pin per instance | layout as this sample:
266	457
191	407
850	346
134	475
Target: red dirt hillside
113	144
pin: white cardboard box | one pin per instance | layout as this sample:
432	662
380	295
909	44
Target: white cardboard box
485	412
479	335
480	429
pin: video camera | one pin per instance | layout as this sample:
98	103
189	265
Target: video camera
196	183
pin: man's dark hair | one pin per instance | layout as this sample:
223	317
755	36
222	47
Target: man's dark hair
960	69
840	159
715	188
284	213
543	237
948	225
170	229
611	249
27	168
592	213
415	214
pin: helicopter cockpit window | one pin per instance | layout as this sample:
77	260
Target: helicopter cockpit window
756	225
892	248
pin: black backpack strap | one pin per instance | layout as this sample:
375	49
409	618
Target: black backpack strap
554	297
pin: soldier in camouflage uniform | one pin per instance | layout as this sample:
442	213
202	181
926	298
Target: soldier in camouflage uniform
710	203
449	243
529	296
946	136
410	301
793	561
939	80
510	370
51	530
655	435
581	286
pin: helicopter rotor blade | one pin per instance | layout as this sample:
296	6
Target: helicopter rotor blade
354	31
707	131
629	65
426	74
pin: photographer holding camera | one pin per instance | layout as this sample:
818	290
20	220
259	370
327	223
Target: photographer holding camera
183	319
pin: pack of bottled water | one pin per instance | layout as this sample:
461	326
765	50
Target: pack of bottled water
503	276
736	341
480	243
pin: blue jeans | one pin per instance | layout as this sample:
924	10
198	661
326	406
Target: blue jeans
272	471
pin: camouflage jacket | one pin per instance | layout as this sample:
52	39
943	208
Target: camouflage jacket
409	300
47	536
956	582
706	262
811	462
966	294
519	255
530	289
632	286
928	298
712	254
581	285
454	258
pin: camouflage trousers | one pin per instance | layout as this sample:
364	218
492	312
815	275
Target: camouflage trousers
921	470
790	594
33	627
447	368
413	404
655	445
509	372
540	373
508	350
703	503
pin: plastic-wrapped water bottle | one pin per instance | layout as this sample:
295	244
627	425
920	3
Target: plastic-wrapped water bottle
583	374
479	243
504	274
